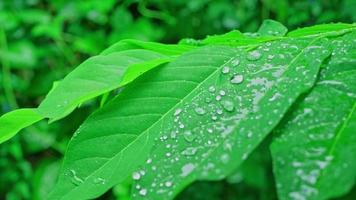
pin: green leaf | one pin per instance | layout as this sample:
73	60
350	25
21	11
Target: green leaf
213	89
314	147
272	28
166	49
96	76
321	29
12	122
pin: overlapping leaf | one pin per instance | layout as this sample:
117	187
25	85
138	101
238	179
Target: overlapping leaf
314	149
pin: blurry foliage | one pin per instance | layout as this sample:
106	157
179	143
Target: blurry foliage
41	41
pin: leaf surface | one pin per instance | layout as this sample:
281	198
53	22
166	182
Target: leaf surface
96	76
314	147
216	87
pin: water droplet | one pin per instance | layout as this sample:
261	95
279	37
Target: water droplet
99	181
143	192
236	79
168	183
225	70
189	136
187	169
136	176
200	111
177	112
227	105
225	158
76	179
218	98
212	89
254	55
222	92
235	62
149	161
189	151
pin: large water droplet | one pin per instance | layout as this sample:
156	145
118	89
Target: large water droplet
254	55
189	136
236	79
227	104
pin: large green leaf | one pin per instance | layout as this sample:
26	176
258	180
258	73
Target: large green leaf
212	91
13	122
314	148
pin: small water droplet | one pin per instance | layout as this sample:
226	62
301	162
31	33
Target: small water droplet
177	112
136	176
189	151
143	192
99	181
200	111
187	169
227	105
222	92
254	55
168	183
225	70
189	136
236	79
235	62
212	89
218	98
76	179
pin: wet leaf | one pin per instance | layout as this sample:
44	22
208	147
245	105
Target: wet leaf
191	94
314	148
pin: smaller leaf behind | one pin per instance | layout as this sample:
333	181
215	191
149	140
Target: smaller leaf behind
13	122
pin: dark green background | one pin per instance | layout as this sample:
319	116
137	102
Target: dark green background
41	41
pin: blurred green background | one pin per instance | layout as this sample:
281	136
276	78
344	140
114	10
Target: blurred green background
41	41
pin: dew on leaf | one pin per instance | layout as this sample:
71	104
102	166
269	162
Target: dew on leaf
212	89
200	111
75	178
136	176
227	104
253	55
225	70
143	192
189	136
236	79
187	169
189	151
168	183
177	111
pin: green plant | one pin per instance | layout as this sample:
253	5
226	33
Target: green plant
174	114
